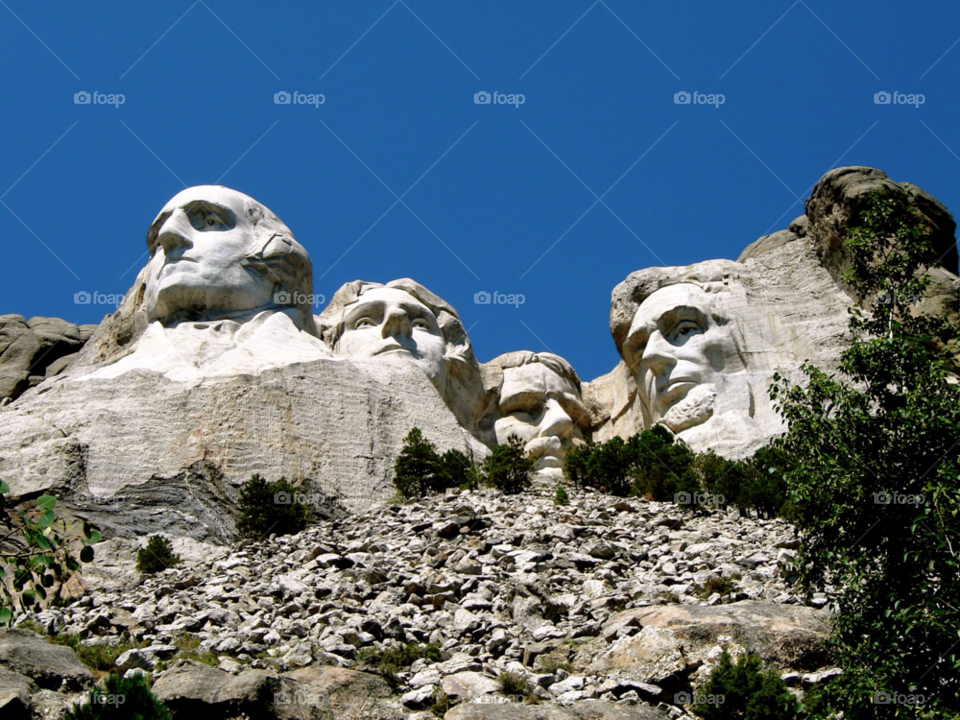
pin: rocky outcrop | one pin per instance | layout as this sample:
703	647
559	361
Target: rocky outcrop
36	349
782	303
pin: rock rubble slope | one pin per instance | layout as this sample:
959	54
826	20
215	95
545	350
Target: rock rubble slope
605	606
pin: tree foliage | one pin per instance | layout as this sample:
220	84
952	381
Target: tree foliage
742	689
157	556
38	555
874	487
508	468
270	508
128	698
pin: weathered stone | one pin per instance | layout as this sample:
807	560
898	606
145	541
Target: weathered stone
196	690
49	666
466	685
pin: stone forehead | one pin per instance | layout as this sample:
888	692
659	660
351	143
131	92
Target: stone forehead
218	194
712	277
535	377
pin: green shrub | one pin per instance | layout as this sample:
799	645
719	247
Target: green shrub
417	469
744	690
576	463
561	497
663	465
508	468
392	660
270	508
721	585
516	686
157	556
456	471
120	699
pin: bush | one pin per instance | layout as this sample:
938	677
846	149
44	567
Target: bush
417	468
508	468
663	465
576	463
746	691
270	507
138	702
561	497
157	556
456	471
392	660
515	685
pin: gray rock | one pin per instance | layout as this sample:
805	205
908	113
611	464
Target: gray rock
196	690
49	666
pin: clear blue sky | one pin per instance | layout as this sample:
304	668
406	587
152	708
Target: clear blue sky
399	80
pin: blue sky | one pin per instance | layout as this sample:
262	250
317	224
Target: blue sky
504	198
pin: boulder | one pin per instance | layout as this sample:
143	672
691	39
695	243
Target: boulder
191	689
676	640
15	692
322	691
49	666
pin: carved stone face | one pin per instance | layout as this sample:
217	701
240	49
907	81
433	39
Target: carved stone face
544	410
677	351
203	236
387	322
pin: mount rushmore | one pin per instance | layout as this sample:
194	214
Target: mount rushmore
214	368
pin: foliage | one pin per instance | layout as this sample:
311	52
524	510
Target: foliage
715	584
576	464
99	658
874	487
508	468
120	699
188	648
417	466
390	661
39	556
270	508
515	685
419	470
744	690
663	466
157	556
561	497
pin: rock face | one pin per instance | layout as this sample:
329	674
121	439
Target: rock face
699	344
140	453
35	349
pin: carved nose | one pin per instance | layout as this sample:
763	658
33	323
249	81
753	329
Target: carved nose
658	355
175	232
556	421
396	324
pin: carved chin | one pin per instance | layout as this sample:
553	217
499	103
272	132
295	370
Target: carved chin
694	409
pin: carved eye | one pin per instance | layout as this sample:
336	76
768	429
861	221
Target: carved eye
422	324
207	218
364	323
684	330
